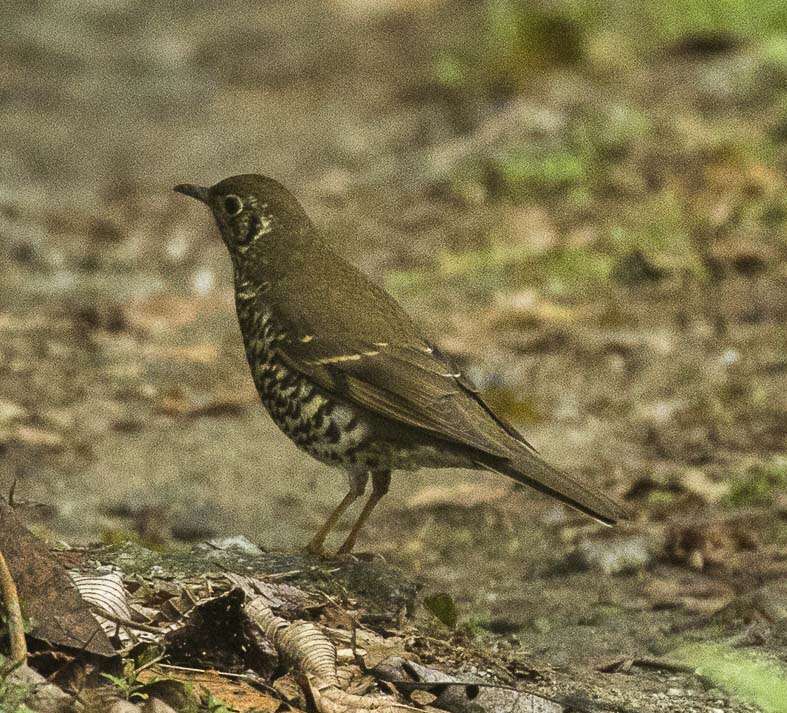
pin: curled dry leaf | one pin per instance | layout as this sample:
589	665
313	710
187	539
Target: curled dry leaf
107	593
304	646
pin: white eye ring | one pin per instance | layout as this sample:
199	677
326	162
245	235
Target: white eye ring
233	205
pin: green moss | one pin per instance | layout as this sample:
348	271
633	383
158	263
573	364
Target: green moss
526	170
659	499
512	40
569	270
759	485
515	36
660	232
560	271
609	131
449	70
748	676
680	18
12	693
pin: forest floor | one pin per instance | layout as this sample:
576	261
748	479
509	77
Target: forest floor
592	223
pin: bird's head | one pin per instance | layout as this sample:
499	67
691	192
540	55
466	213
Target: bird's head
251	210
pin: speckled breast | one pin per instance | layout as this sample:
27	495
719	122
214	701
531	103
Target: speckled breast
331	431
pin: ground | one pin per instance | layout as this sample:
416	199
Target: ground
586	210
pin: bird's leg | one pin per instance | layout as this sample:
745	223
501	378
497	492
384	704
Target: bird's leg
381	479
357	488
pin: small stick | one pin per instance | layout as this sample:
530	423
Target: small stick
227	674
281	575
252	679
16	625
624	665
114	618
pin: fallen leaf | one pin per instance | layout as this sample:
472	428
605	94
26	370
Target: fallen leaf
443	608
48	597
106	592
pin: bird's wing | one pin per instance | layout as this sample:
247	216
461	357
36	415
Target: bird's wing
376	357
406	384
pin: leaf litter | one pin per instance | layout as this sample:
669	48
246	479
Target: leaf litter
260	642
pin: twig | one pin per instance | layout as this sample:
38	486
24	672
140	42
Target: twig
189	669
354	619
253	679
623	665
15	623
114	618
278	576
226	674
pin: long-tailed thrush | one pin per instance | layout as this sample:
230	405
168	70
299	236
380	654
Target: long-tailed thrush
345	373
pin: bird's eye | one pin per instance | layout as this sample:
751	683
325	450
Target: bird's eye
233	205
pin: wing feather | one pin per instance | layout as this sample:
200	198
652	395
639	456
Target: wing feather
405	384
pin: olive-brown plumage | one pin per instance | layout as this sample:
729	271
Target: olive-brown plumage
345	373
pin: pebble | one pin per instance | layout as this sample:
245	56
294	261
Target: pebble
124	707
237	542
156	705
202	281
44	697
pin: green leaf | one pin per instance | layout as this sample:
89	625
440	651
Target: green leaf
442	606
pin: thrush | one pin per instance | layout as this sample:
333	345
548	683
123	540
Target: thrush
346	374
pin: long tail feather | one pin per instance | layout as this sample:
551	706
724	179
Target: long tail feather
527	468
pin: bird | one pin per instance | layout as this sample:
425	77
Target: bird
347	375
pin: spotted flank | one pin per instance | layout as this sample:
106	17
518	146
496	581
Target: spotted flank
325	428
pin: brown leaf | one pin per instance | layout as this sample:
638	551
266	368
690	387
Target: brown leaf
48	597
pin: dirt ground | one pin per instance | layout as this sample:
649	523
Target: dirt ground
600	243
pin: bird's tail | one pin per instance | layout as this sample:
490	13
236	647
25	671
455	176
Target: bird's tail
526	467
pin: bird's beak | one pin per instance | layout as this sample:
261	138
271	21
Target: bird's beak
189	189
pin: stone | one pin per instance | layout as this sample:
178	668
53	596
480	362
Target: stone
121	706
238	542
10	411
44	697
156	705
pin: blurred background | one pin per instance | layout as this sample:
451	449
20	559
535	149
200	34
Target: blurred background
582	200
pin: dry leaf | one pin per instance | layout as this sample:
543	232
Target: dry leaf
46	592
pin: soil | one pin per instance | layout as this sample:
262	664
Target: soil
652	365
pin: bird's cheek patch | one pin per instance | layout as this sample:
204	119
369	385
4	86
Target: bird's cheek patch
256	226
